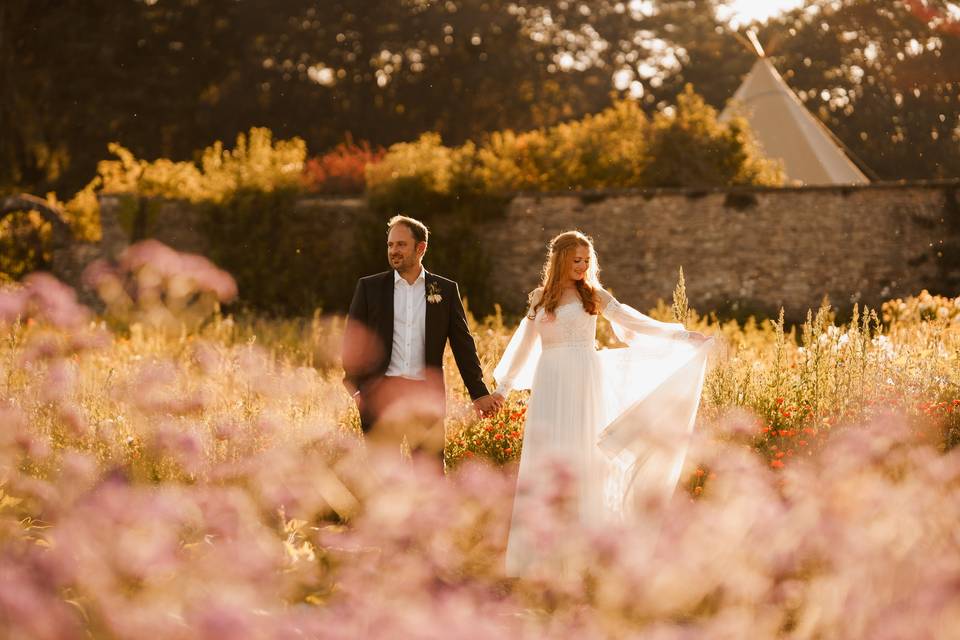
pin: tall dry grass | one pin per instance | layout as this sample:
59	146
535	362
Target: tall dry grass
168	471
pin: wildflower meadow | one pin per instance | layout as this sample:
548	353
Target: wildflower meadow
170	470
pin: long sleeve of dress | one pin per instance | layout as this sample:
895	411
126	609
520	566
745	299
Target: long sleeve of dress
629	324
519	359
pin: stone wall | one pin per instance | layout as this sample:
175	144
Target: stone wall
749	249
742	250
180	224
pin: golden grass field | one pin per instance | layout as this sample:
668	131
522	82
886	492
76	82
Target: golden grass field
170	471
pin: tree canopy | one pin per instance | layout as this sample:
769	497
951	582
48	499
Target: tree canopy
166	77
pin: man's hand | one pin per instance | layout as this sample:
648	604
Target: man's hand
488	404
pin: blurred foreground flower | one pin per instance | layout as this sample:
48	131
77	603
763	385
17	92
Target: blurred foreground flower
211	485
154	285
44	297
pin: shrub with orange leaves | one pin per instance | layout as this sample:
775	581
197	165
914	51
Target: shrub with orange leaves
341	171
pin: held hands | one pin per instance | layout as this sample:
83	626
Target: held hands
488	404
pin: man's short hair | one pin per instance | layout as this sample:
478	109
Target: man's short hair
419	230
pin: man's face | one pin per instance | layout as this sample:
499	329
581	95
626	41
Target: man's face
403	250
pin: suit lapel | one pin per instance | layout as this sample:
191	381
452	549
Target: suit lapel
386	322
432	324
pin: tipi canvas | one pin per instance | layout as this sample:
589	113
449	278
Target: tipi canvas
786	131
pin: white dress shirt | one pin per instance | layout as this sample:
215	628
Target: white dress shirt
409	327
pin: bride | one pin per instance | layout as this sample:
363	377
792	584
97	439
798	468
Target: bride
617	419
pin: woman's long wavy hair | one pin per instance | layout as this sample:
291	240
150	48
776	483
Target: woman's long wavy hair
555	268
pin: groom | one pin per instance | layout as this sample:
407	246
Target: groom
398	325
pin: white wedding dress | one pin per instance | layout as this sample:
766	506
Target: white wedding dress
618	420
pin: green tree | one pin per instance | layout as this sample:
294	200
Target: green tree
165	78
689	148
882	75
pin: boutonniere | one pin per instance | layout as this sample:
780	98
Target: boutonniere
433	293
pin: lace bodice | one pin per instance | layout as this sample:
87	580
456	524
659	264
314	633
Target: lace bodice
570	324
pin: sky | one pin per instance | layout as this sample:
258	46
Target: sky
739	12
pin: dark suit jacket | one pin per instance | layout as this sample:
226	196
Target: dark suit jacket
368	336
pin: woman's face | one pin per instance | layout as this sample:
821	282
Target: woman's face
578	263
